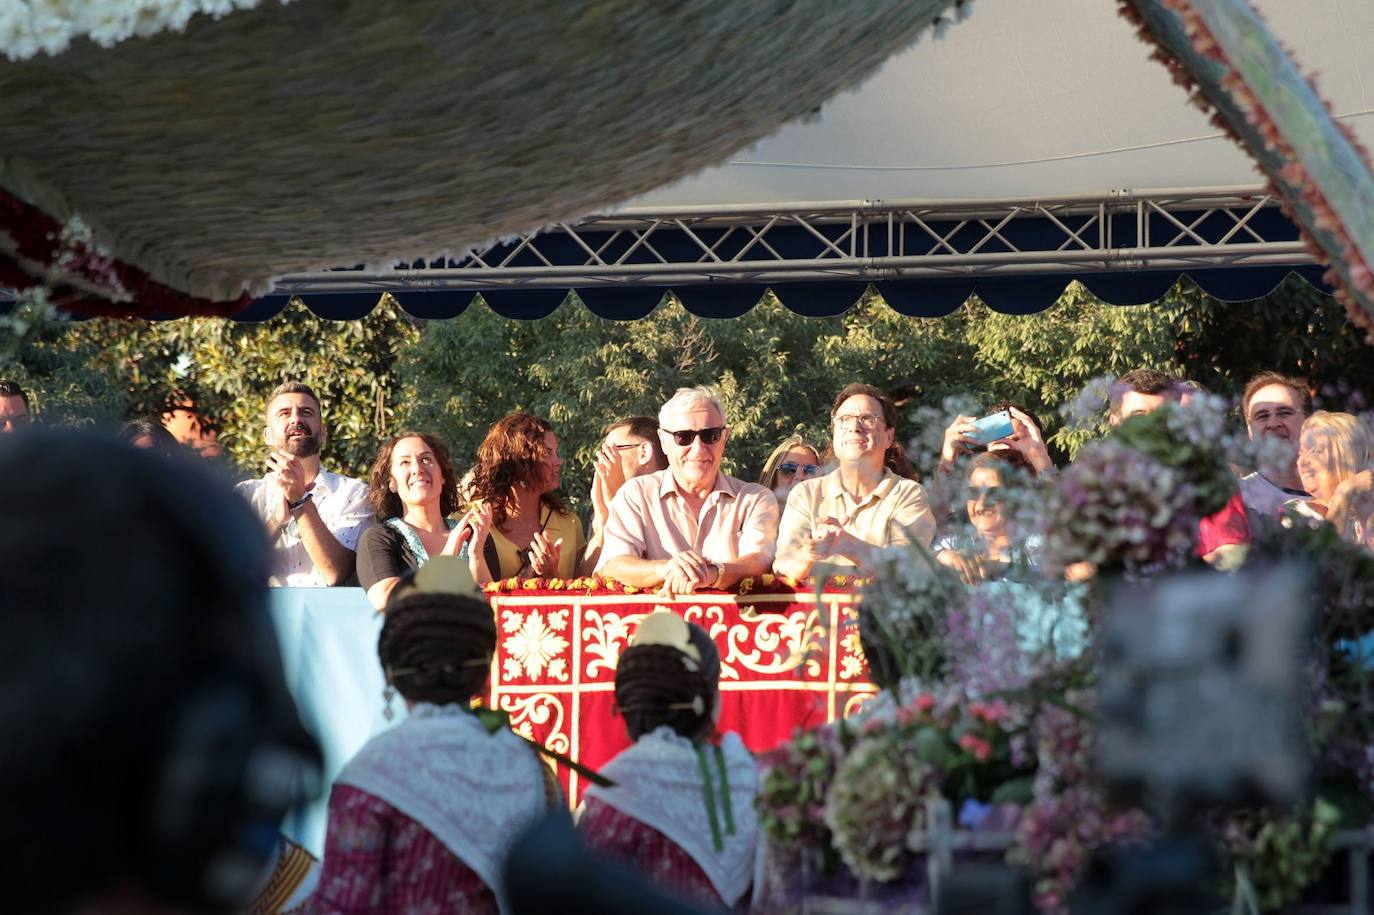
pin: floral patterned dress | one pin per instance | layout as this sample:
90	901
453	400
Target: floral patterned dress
656	819
378	860
421	819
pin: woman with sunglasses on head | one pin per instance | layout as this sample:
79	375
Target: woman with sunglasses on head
792	462
533	534
871	500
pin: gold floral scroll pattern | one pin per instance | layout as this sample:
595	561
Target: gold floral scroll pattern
604	636
851	661
854	702
765	643
533	643
540	717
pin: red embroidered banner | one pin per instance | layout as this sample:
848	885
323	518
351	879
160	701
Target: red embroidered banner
557	650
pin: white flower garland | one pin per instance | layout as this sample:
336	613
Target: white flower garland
32	27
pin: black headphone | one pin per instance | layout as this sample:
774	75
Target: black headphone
234	757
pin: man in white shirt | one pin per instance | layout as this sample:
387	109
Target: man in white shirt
314	517
1274	406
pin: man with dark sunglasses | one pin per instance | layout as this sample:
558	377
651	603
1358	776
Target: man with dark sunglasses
689	527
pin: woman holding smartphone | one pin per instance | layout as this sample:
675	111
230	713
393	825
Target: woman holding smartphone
871	500
414	490
1025	436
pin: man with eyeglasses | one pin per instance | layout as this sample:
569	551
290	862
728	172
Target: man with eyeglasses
1274	406
870	501
690	526
630	449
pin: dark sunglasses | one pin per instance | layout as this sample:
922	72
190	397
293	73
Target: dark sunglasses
991	495
791	467
708	436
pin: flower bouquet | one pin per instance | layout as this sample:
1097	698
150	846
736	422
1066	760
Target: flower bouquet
844	809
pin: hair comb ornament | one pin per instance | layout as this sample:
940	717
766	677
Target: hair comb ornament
663	627
441	575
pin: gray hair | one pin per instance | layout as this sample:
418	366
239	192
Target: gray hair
686	398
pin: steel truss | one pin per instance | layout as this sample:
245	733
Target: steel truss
1172	228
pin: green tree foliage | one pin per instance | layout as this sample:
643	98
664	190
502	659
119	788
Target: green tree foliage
1295	329
1044	360
40	351
228	369
777	371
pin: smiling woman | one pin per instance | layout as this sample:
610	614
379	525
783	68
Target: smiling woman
414	490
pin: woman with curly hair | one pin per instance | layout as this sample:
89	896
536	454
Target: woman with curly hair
681	809
413	492
533	535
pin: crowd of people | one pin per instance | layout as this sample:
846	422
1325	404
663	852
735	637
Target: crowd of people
666	519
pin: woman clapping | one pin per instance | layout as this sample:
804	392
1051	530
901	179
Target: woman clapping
414	490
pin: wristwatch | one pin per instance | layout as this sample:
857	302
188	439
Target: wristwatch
296	506
720	576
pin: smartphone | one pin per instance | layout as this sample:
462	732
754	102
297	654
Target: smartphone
991	428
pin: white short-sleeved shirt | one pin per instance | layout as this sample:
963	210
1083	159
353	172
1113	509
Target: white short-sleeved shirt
344	507
650	519
896	512
1262	497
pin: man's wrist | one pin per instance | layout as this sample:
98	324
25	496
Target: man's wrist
295	506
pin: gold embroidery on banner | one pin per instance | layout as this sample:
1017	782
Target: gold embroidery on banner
772	643
534	644
855	702
604	636
530	716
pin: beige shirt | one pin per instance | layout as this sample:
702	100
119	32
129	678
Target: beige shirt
896	512
650	520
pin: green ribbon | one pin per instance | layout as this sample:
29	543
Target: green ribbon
725	791
710	795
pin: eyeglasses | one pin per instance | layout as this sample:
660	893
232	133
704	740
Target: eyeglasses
627	447
791	468
865	421
709	436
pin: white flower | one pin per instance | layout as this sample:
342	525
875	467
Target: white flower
31	27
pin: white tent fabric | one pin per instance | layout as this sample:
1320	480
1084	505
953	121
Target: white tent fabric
1031	98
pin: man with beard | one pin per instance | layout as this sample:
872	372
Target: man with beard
314	517
1274	406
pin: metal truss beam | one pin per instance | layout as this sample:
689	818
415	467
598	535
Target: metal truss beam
870	240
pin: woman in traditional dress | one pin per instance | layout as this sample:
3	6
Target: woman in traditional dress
413	491
517	476
421	819
682	807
